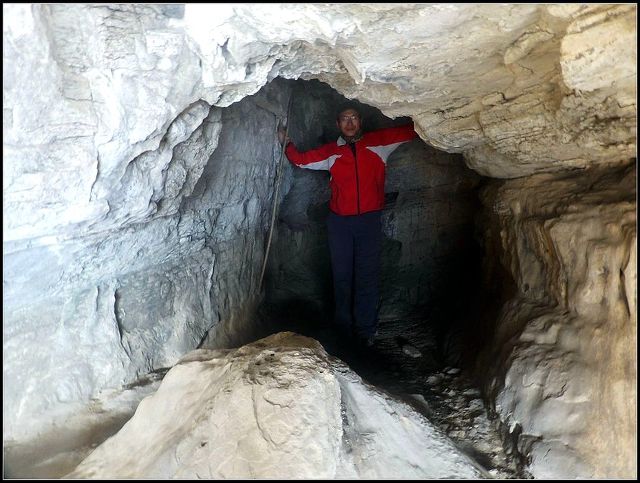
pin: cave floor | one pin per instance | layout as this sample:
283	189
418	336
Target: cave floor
404	362
405	366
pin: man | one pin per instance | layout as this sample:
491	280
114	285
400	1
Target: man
356	163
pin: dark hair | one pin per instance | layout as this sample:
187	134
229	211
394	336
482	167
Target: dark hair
348	105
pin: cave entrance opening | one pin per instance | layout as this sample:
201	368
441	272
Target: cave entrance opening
431	261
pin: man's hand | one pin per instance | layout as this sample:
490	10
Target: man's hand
282	135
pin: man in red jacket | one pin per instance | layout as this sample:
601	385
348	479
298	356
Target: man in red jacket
356	163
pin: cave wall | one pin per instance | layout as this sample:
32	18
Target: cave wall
230	209
169	257
559	362
95	308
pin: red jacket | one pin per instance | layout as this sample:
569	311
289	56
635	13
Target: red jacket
357	182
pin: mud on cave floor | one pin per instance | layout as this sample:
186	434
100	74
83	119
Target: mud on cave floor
404	362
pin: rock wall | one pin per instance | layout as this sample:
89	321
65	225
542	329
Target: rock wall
560	363
126	238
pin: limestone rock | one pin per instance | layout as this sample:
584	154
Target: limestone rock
276	408
565	384
95	308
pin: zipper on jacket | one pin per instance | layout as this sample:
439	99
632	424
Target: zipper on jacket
355	159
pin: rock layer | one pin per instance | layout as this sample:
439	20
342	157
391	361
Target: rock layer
564	343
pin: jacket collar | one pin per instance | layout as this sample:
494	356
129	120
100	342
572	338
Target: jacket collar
341	141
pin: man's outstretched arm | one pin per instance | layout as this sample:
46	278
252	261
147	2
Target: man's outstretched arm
321	158
385	141
392	135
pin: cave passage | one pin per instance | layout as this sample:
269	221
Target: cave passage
431	262
431	292
433	297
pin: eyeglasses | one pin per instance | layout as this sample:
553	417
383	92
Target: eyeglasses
348	118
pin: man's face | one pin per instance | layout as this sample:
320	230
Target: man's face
349	123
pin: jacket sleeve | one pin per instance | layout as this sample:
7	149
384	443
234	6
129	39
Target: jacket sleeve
393	135
385	141
321	158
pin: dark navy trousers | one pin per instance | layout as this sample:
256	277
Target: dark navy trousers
355	243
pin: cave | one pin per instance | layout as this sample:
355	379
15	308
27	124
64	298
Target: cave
156	238
429	254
